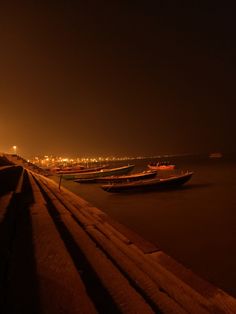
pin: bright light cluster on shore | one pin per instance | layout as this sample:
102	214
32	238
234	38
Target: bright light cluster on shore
50	161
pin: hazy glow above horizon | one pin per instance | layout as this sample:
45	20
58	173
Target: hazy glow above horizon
106	84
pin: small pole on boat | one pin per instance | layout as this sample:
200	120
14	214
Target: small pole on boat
60	182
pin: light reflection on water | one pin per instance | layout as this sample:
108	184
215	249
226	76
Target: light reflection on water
195	224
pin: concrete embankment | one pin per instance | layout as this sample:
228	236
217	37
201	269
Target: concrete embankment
59	254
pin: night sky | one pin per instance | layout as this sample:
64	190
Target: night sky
92	78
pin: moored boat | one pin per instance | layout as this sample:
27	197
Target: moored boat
215	155
122	178
80	170
161	165
100	173
149	184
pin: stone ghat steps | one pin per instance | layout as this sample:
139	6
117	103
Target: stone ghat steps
18	160
59	254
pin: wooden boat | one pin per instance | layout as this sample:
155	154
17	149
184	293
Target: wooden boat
80	170
123	178
100	173
149	184
161	165
215	155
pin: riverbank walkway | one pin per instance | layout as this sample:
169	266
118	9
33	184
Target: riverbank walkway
59	254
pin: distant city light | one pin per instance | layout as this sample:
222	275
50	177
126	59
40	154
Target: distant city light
14	148
50	161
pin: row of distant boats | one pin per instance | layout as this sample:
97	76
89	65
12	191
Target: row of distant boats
121	179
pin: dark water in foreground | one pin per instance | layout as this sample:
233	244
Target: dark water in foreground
196	224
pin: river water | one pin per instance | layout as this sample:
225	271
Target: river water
196	224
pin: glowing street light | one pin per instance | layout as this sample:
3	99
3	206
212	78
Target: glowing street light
14	149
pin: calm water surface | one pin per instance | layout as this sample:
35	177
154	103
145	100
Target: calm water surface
195	224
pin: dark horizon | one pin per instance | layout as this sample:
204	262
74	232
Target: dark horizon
117	79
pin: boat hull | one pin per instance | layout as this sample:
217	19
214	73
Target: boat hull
215	155
162	167
149	184
101	173
84	170
122	178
